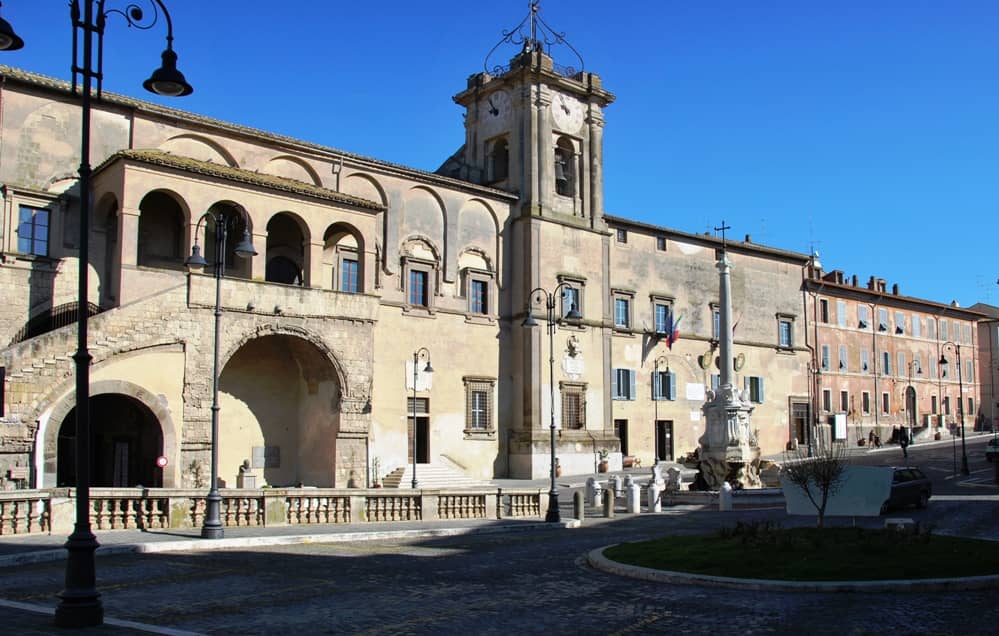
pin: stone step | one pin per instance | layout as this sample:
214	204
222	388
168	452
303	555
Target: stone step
430	476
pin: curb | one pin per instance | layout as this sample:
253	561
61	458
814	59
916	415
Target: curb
206	545
598	561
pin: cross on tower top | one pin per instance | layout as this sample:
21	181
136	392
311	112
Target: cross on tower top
722	230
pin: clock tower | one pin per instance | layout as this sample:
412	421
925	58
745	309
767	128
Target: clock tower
535	128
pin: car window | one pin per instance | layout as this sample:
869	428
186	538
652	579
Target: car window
903	475
918	474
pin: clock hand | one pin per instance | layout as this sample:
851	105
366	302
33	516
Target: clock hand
492	107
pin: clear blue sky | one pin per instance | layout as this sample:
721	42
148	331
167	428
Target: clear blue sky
869	129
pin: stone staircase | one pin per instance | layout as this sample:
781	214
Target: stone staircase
430	476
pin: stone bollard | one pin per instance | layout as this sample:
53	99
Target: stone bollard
609	503
725	497
633	499
655	503
578	506
593	491
614	484
628	481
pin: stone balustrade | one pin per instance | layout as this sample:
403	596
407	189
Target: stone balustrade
53	511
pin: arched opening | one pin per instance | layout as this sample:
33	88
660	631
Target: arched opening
279	399
565	167
499	160
236	224
342	262
105	250
126	439
161	232
285	250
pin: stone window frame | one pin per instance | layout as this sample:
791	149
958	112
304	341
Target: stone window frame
664	380
578	283
885	405
865	403
844	401
827	400
475	384
621	236
344	253
566	153
470	275
35	204
754	386
661	244
785	319
432	270
568	390
656	300
628	297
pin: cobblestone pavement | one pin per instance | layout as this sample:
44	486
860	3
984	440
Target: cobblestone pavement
518	583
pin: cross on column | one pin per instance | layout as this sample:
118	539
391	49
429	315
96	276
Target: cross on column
722	230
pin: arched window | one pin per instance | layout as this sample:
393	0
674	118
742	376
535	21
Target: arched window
161	227
285	250
565	168
281	269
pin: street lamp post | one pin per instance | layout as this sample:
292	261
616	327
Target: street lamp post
658	394
540	296
960	401
211	527
911	408
80	604
421	353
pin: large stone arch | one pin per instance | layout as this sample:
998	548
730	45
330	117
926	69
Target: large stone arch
49	432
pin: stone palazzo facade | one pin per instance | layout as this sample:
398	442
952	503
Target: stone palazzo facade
360	264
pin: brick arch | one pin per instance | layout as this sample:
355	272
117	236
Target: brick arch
159	410
261	331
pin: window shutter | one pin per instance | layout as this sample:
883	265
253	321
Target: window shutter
656	386
631	378
672	385
614	392
760	380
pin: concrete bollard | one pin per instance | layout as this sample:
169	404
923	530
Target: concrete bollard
578	507
593	491
725	497
633	499
655	503
609	503
628	481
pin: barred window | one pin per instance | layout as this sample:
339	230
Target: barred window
479	406
573	405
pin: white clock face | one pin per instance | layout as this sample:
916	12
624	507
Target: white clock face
567	113
495	110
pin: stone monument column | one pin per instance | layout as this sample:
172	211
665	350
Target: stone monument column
729	451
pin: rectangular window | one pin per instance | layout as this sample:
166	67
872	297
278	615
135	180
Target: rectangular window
885	363
841	313
348	275
971	406
943	330
863	321
571	300
754	386
661	317
785	333
664	385
573	405
622	236
968	371
825	357
966	330
844	401
917	326
865	361
826	400
715	324
900	369
661	243
865	403
899	322
882	320
946	405
622	313
931	329
478	297
933	365
843	362
933	404
418	292
823	310
33	231
885	403
623	384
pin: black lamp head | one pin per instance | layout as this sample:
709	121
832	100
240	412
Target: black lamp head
167	80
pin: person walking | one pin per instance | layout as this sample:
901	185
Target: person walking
903	441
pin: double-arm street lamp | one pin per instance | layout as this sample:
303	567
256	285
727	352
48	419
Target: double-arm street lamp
658	394
80	604
420	354
960	401
550	299
211	527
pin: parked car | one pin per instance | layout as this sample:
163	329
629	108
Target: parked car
909	487
992	449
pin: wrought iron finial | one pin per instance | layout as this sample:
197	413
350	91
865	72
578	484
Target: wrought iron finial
722	230
533	34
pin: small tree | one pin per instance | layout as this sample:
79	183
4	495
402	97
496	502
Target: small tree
819	476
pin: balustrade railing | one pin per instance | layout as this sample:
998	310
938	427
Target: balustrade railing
24	513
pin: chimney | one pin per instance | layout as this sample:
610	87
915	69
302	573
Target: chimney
749	239
854	280
894	289
870	284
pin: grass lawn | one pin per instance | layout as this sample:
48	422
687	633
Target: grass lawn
813	554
